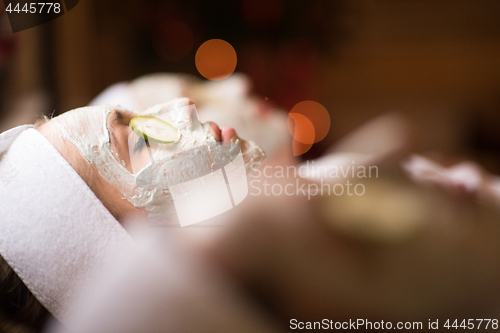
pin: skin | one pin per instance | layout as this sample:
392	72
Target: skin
118	127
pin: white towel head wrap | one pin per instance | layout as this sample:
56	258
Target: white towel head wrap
54	231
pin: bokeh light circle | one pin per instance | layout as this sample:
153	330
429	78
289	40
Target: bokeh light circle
317	115
302	130
216	59
172	40
299	148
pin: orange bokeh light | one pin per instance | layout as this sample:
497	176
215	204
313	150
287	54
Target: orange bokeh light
317	115
216	59
302	130
299	148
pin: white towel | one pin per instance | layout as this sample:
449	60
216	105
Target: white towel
54	232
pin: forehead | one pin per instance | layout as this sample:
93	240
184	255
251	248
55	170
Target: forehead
87	123
82	116
183	117
97	117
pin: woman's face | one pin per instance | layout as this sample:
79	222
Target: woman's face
121	134
101	147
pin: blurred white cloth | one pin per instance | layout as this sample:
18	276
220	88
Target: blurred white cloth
164	287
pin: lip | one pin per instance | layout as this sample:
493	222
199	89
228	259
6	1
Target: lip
215	131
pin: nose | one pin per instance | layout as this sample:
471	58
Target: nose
215	131
227	133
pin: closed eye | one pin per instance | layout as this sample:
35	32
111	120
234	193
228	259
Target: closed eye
139	145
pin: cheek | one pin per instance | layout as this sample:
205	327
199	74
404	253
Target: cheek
113	200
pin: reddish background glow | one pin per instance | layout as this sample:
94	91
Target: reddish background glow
172	40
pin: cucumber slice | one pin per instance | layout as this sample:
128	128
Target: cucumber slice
154	129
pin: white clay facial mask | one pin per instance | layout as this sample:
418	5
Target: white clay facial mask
155	166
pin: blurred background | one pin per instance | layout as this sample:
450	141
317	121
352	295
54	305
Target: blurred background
436	62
